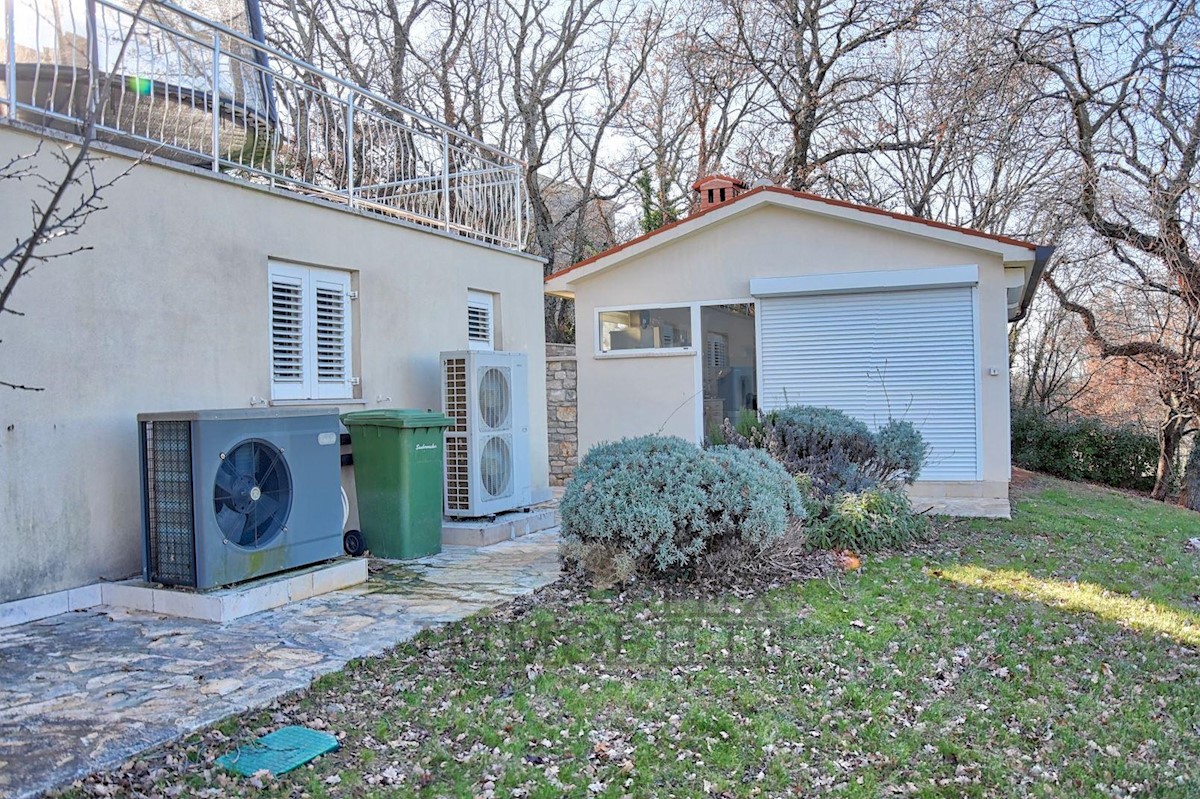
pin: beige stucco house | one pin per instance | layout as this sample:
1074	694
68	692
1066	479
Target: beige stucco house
770	297
190	281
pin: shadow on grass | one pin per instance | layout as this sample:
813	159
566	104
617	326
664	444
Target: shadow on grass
1139	614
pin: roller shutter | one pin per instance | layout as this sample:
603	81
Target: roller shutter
908	354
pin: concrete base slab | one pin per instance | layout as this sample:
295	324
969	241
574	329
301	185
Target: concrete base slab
963	506
504	527
227	604
22	611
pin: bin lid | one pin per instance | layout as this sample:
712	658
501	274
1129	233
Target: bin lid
396	417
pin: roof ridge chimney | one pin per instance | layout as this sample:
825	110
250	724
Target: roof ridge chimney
716	188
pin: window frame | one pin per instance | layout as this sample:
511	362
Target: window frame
310	387
647	352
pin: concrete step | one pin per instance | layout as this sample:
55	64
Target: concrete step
504	527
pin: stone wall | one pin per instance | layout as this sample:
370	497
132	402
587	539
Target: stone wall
561	402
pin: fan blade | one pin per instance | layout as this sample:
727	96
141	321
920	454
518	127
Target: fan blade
249	534
272	478
262	457
225	477
243	459
267	472
265	507
230	522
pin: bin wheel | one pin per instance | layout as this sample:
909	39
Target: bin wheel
352	542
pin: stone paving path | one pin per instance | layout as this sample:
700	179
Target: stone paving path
85	691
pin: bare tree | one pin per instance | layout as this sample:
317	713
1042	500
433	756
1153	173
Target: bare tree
544	80
1126	81
1050	360
67	189
723	93
985	160
822	63
689	110
567	70
369	42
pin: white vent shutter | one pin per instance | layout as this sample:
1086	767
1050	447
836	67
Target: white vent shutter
716	355
288	373
480	322
908	354
331	292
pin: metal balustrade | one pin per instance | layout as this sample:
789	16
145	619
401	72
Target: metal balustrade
165	80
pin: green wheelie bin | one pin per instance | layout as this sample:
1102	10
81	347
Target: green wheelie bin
398	479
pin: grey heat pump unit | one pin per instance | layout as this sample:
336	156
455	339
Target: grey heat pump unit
231	495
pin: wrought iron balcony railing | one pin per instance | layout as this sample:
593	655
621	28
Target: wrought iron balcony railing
163	79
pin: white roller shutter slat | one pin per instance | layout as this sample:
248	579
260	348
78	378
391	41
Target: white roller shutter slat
907	354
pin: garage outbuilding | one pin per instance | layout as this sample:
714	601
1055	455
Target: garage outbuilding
771	297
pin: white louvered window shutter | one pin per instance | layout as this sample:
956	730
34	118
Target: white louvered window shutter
331	297
480	321
289	377
310	333
716	354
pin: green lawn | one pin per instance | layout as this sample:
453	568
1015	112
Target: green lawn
1054	655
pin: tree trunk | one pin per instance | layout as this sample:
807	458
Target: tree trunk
1189	494
1170	434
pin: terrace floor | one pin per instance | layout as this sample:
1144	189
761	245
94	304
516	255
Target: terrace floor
84	691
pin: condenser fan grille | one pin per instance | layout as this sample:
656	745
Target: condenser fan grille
458	473
495	467
252	494
495	398
171	540
456	393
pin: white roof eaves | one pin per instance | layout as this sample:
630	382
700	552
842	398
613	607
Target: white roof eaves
686	227
1011	254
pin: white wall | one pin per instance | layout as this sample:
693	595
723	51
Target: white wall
169	311
633	396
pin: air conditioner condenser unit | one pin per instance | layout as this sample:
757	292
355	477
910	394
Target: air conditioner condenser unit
486	393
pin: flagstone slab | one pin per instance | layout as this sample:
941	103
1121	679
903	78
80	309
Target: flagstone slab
86	690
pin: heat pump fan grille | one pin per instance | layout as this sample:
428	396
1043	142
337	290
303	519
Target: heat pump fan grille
252	494
494	398
169	513
456	393
495	467
458	473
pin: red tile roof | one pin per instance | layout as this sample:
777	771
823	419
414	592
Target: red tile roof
741	184
803	196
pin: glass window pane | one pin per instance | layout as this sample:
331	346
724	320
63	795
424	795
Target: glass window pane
649	329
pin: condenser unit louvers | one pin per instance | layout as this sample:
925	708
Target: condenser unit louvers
487	448
231	495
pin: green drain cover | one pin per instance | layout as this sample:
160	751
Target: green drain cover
279	752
